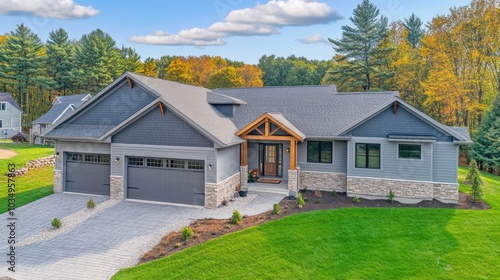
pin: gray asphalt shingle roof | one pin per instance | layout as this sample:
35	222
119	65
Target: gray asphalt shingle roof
60	109
314	110
462	130
6	97
80	131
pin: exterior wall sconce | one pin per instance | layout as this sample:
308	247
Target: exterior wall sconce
117	159
288	150
209	166
57	154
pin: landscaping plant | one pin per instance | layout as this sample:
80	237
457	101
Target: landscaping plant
355	199
300	201
390	196
56	223
236	218
186	233
276	209
474	178
90	203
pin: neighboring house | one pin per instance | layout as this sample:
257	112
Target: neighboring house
10	116
61	106
152	139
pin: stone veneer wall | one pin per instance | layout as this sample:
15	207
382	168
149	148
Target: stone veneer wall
403	190
215	194
117	187
447	193
323	181
293	182
58	186
244	176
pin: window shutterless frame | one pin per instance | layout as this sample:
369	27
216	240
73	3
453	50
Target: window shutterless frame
367	155
320	151
410	151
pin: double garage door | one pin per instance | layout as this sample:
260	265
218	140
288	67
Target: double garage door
168	180
87	173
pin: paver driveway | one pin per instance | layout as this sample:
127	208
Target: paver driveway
102	244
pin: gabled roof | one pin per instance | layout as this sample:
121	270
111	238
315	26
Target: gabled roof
316	111
278	120
62	106
6	97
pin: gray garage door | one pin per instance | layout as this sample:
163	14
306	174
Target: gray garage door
167	180
87	173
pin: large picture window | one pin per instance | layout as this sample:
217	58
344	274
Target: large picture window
367	155
319	151
410	151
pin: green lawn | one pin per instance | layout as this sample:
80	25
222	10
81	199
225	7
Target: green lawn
32	186
362	243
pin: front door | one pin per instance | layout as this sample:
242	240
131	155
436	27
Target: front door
270	160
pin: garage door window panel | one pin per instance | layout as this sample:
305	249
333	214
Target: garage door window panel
196	165
154	162
133	161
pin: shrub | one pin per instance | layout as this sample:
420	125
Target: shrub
474	178
318	195
19	137
276	209
300	201
177	245
56	223
355	199
334	193
236	218
90	204
390	196
186	233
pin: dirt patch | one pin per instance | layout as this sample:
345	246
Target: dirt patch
207	229
5	154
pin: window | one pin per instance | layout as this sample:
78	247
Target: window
154	162
1	123
368	156
133	161
410	151
3	106
195	164
175	163
319	151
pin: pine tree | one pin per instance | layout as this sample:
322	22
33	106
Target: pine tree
131	60
361	47
60	56
474	178
415	31
485	139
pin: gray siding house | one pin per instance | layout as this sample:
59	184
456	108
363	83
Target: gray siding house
61	106
10	116
151	139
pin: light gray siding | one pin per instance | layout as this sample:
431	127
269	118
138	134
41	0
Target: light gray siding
445	163
79	147
253	155
391	166
11	120
228	162
155	129
116	106
173	152
339	160
403	122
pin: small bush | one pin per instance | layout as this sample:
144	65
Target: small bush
186	233
177	245
91	204
19	137
236	218
355	199
300	201
276	209
56	223
390	196
334	193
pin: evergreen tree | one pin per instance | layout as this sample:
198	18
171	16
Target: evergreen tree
485	142
361	47
60	56
131	60
415	31
22	61
97	61
474	178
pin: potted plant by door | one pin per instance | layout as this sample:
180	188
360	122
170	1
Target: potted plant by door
241	192
253	175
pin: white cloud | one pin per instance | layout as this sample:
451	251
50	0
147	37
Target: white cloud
313	39
286	13
262	20
62	9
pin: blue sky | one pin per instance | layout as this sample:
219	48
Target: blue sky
242	30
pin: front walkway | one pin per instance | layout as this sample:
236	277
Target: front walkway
100	244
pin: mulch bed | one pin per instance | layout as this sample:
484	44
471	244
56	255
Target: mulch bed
207	229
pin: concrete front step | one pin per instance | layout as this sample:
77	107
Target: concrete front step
267	190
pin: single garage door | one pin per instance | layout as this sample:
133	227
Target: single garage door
167	180
87	173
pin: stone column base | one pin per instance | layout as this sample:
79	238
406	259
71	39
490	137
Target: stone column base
293	182
216	194
58	184
117	187
244	176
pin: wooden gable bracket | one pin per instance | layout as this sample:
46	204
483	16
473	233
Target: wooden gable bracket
162	110
130	82
395	107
